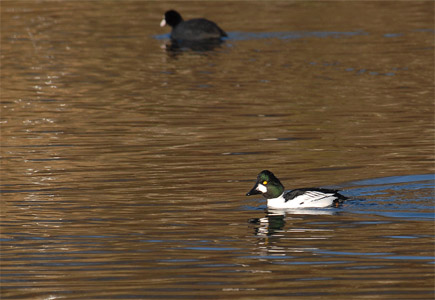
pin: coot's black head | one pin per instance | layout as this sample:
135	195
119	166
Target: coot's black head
171	18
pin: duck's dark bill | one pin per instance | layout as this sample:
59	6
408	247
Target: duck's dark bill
253	191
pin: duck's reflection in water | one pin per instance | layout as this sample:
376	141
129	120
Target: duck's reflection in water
275	220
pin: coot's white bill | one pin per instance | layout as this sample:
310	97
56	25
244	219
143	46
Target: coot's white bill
163	22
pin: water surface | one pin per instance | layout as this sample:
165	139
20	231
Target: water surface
124	165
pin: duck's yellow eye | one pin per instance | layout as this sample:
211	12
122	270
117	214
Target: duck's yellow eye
265	182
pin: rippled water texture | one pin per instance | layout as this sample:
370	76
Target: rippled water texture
125	163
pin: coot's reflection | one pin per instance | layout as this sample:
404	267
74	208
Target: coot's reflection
175	46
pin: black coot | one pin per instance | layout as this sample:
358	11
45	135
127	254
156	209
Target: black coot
191	30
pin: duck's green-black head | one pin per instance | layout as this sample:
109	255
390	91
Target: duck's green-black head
268	185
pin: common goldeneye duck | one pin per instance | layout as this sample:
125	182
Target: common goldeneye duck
191	30
273	190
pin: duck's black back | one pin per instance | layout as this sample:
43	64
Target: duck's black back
289	195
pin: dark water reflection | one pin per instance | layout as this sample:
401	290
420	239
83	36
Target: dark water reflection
124	165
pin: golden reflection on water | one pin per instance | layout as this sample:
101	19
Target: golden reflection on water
124	166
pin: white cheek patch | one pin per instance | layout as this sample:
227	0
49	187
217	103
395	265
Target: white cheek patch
163	22
261	188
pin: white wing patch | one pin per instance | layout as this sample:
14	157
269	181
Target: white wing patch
312	196
311	199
